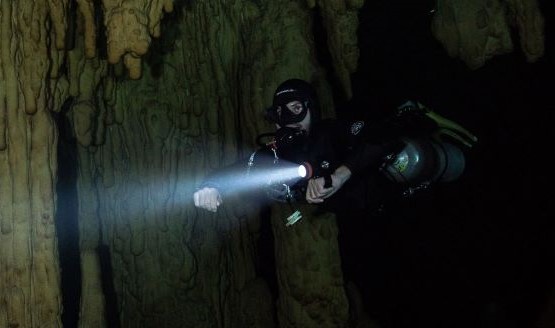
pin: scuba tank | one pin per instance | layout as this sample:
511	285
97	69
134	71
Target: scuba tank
424	161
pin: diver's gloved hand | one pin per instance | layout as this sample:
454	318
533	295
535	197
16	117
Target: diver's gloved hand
316	192
208	198
446	126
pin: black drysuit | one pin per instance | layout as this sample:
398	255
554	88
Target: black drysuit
359	145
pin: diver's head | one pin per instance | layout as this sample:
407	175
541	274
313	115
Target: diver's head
294	105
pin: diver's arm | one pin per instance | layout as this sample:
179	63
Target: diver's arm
317	191
359	156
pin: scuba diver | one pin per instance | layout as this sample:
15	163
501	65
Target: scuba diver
331	162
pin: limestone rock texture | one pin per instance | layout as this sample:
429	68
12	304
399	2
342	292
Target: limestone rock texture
309	275
29	271
475	31
157	94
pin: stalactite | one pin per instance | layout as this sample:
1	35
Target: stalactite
529	21
129	27
58	12
340	19
475	31
86	9
85	75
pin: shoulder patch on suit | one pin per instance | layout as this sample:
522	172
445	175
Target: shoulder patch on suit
356	127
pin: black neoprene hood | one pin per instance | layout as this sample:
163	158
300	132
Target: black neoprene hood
293	89
288	91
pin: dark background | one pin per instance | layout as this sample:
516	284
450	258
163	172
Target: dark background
476	252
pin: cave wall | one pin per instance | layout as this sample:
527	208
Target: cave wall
29	270
160	93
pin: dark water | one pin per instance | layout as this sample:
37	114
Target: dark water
474	253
